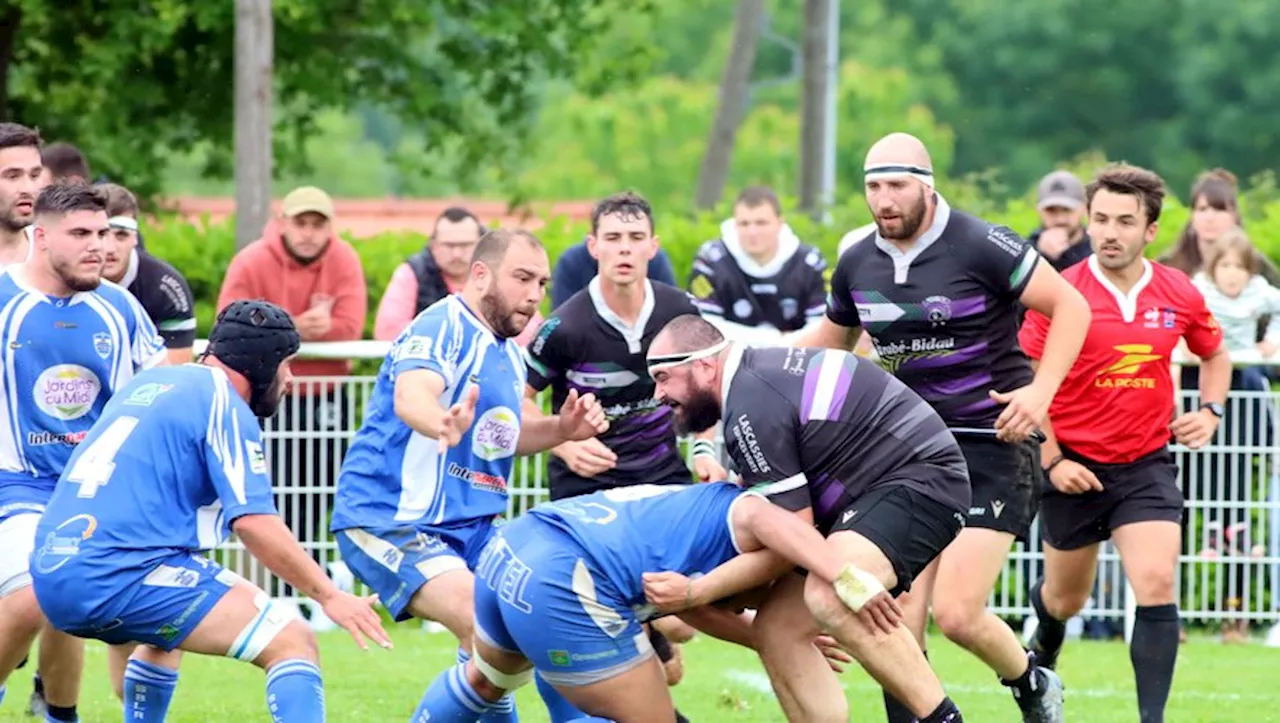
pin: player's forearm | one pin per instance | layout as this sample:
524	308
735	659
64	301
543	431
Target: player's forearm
826	334
1068	326
722	624
420	411
791	537
268	539
742	573
539	434
1215	377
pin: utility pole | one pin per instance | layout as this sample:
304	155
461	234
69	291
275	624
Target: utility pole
254	57
817	107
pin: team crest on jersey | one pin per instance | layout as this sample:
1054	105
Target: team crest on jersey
1168	318
937	309
145	395
257	460
102	344
701	287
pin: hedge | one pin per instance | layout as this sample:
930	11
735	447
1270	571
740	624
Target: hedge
203	250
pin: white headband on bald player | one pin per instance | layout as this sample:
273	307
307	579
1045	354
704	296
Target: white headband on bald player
881	171
123	222
667	362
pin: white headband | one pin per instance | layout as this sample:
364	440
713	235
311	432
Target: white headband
882	171
123	222
666	362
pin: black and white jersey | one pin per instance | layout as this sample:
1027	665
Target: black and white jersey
784	294
944	315
585	346
820	428
165	296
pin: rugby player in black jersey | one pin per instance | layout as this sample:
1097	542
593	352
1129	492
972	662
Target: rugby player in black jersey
596	342
938	291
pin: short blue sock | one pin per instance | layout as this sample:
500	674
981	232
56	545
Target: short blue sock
451	699
148	689
503	711
559	707
295	692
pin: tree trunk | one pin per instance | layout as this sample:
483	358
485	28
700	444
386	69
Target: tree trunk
9	21
255	52
813	103
735	87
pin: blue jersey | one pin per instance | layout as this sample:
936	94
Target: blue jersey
63	359
392	476
629	531
175	458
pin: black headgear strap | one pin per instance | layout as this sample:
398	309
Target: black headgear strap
252	338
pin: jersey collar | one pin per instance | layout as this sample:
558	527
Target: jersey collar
20	280
632	334
902	259
130	271
1128	303
731	363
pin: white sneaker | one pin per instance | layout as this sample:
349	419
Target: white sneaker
433	627
1273	636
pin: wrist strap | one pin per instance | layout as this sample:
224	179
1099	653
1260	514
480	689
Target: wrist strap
703	448
1056	461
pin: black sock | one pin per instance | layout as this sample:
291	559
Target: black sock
1028	685
1153	652
895	711
680	718
63	714
946	712
1050	631
38	684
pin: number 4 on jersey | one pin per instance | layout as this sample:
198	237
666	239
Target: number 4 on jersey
94	467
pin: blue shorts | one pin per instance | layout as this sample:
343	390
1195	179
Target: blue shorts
538	593
396	561
159	606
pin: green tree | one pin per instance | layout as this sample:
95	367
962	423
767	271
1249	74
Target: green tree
134	83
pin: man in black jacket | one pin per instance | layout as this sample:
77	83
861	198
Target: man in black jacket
1061	238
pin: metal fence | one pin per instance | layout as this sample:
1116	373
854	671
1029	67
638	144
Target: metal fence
1231	549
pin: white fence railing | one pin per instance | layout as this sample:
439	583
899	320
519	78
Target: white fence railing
1231	551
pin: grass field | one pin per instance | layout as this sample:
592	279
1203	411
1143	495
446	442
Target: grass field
1214	683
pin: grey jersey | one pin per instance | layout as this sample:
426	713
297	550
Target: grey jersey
820	428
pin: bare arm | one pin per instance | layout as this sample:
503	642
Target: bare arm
723	624
1069	317
826	334
1215	376
417	401
269	540
580	418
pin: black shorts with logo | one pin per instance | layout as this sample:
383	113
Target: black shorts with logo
1007	481
1143	490
908	526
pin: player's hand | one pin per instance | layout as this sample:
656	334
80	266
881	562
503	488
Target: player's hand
1267	349
881	612
357	616
669	592
1053	241
1073	478
708	469
458	420
581	417
1195	429
1024	408
837	657
587	458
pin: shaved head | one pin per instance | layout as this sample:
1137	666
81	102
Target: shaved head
683	334
686	360
899	149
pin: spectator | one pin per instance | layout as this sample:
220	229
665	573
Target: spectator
1061	237
64	162
1215	208
160	288
21	178
757	281
431	274
301	265
576	267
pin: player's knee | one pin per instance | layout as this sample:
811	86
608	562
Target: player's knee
1063	604
823	604
1153	585
22	612
958	620
295	641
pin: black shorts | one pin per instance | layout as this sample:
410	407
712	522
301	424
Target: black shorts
1143	490
1007	481
909	527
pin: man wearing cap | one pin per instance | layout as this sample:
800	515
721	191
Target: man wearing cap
1061	238
301	265
939	292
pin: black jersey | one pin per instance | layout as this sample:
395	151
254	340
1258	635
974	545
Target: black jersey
820	428
944	315
585	346
165	296
784	294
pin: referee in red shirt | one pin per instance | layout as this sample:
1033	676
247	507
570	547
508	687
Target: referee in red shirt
1109	427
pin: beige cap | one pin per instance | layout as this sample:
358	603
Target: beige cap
307	199
1060	189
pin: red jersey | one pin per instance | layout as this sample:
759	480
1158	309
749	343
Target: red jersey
1117	401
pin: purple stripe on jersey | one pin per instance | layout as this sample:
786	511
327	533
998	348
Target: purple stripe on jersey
828	492
843	382
810	386
979	406
968	307
590	368
953	387
959	356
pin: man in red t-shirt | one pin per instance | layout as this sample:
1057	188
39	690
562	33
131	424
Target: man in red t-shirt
1107	455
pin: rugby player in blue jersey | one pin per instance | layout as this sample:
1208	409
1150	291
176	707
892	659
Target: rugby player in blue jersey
173	466
427	473
70	341
563	591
